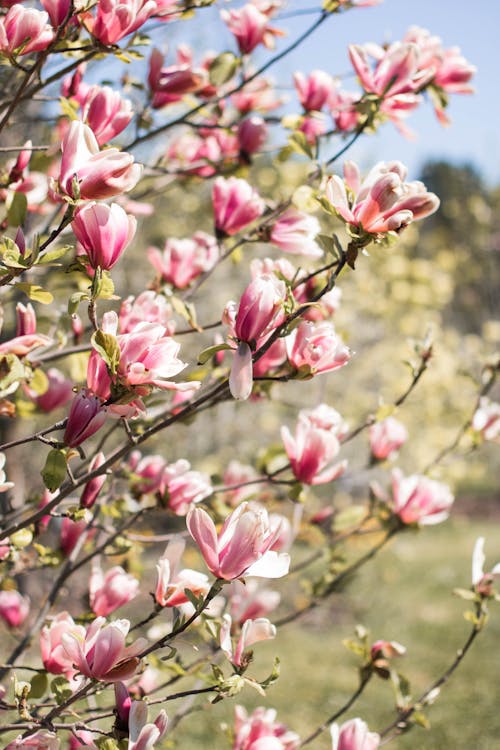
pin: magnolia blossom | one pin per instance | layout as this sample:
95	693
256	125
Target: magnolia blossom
294	233
111	590
237	473
91	174
252	632
243	545
418	499
101	653
86	416
118	18
252	134
106	113
54	656
184	260
387	649
70	533
148	473
144	735
383	201
14	608
248	601
59	391
24	30
316	348
57	10
261	731
486	419
258	95
42	739
250	27
236	204
353	735
173	582
104	231
313	448
314	90
184	487
93	487
170	84
481	581
386	438
147	307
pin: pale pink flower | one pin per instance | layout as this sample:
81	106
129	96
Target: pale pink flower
23	345
54	657
260	309
193	154
105	112
236	205
383	202
118	18
104	231
237	473
252	632
486	419
353	735
172	582
58	393
294	232
314	90
261	731
42	739
111	590
86	415
248	601
250	27
147	307
91	174
14	608
24	30
386	438
143	735
258	95
342	106
481	581
101	653
396	70
242	547
312	450
184	487
314	348
418	499
183	260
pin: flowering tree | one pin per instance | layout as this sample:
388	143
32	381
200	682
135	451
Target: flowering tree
130	358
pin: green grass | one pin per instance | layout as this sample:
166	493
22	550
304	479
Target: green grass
404	595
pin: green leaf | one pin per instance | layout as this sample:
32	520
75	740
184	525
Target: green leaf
210	352
61	689
36	293
75	300
11	370
106	345
39	685
54	471
349	518
16	213
11	255
274	674
223	68
54	254
298	142
69	107
420	719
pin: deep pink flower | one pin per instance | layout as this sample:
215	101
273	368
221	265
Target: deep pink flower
91	174
111	590
353	735
57	10
260	309
93	487
252	134
24	30
14	608
104	231
118	18
418	499
242	547
183	260
105	112
101	653
314	90
387	437
70	533
58	393
250	27
86	416
170	84
184	487
236	205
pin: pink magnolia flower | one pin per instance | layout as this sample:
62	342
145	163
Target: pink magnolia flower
14	608
237	473
314	90
70	533
118	18
104	231
316	348
353	735
386	650
252	632
261	731
25	319
147	307
248	601
383	202
294	232
101	653
312	450
54	657
58	393
183	260
42	739
184	487
250	27
86	415
111	590
105	112
57	10
486	419
323	308
93	487
242	547
148	473
418	499
342	106
170	84
260	309
236	204
258	95
91	174
386	438
172	582
483	582
143	735
252	134
24	30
